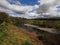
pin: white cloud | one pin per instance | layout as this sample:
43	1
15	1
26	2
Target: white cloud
36	6
5	10
19	9
48	6
15	8
5	6
14	2
46	1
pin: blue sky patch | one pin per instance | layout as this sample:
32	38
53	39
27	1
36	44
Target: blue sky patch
58	6
25	2
58	10
29	2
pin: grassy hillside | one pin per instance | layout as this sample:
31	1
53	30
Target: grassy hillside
13	35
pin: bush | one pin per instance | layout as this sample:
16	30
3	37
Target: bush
3	16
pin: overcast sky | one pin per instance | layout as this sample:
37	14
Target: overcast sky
30	8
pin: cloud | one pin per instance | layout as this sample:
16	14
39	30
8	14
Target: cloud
46	1
6	10
14	7
16	2
48	6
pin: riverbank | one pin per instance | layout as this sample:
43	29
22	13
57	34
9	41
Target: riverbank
17	35
47	38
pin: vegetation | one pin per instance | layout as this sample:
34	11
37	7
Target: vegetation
41	23
3	16
3	32
10	34
45	23
27	43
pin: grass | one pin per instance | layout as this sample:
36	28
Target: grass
3	33
13	35
2	37
26	43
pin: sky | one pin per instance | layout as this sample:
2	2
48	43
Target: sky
29	2
31	8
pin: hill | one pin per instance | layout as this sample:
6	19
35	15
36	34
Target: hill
13	35
10	34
